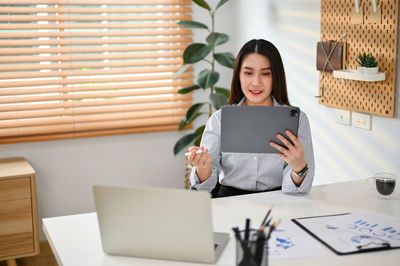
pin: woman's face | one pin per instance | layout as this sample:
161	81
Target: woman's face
256	80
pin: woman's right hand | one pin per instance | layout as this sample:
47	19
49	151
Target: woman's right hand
202	161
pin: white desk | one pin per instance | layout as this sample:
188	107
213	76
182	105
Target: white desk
75	239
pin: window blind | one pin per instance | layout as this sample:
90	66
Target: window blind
106	67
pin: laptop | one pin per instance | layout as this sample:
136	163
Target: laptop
157	223
249	129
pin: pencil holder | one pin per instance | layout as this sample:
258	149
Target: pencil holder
251	250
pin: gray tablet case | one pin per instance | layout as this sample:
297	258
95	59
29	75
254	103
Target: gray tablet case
249	129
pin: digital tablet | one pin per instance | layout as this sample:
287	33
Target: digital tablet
249	129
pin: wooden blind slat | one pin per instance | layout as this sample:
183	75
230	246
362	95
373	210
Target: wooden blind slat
74	34
72	119
93	110
92	18
93	41
65	128
92	49
67	73
75	69
95	87
126	131
11	84
61	9
87	57
8	140
90	65
96	2
82	96
71	26
80	104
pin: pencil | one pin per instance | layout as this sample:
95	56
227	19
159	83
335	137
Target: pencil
247	230
272	228
266	217
237	233
262	227
197	152
268	222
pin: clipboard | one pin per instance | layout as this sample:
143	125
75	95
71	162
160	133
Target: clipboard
350	233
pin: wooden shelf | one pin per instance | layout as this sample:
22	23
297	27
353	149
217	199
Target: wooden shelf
354	75
18	209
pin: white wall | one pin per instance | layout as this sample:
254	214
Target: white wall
66	170
341	152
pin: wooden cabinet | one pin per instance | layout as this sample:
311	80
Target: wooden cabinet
18	210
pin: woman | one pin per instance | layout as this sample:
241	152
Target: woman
258	80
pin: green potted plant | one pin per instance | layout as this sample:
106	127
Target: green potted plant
367	63
207	78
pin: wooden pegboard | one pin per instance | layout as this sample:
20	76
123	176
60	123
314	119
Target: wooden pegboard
376	98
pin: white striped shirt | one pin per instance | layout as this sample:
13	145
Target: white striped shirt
252	171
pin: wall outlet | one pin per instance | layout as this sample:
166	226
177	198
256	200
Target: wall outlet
343	117
362	120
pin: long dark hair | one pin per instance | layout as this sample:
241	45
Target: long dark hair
262	47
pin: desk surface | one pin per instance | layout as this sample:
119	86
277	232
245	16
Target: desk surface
75	239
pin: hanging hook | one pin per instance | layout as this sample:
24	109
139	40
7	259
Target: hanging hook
375	5
322	37
357	5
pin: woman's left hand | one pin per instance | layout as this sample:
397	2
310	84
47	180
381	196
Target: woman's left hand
294	153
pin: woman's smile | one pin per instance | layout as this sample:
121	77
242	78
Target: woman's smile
256	92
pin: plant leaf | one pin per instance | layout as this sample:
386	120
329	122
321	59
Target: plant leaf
225	59
218	100
203	4
221	2
192	24
183	69
184	122
219	38
193	110
202	78
200	129
192	113
198	141
185	141
189	89
207	78
223	91
195	52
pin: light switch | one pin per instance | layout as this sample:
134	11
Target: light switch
361	120
343	117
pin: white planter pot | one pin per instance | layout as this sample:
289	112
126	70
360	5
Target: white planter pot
360	69
371	70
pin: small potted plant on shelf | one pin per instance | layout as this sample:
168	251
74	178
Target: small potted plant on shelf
368	64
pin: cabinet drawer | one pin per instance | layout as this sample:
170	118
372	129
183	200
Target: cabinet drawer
16	188
16	227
